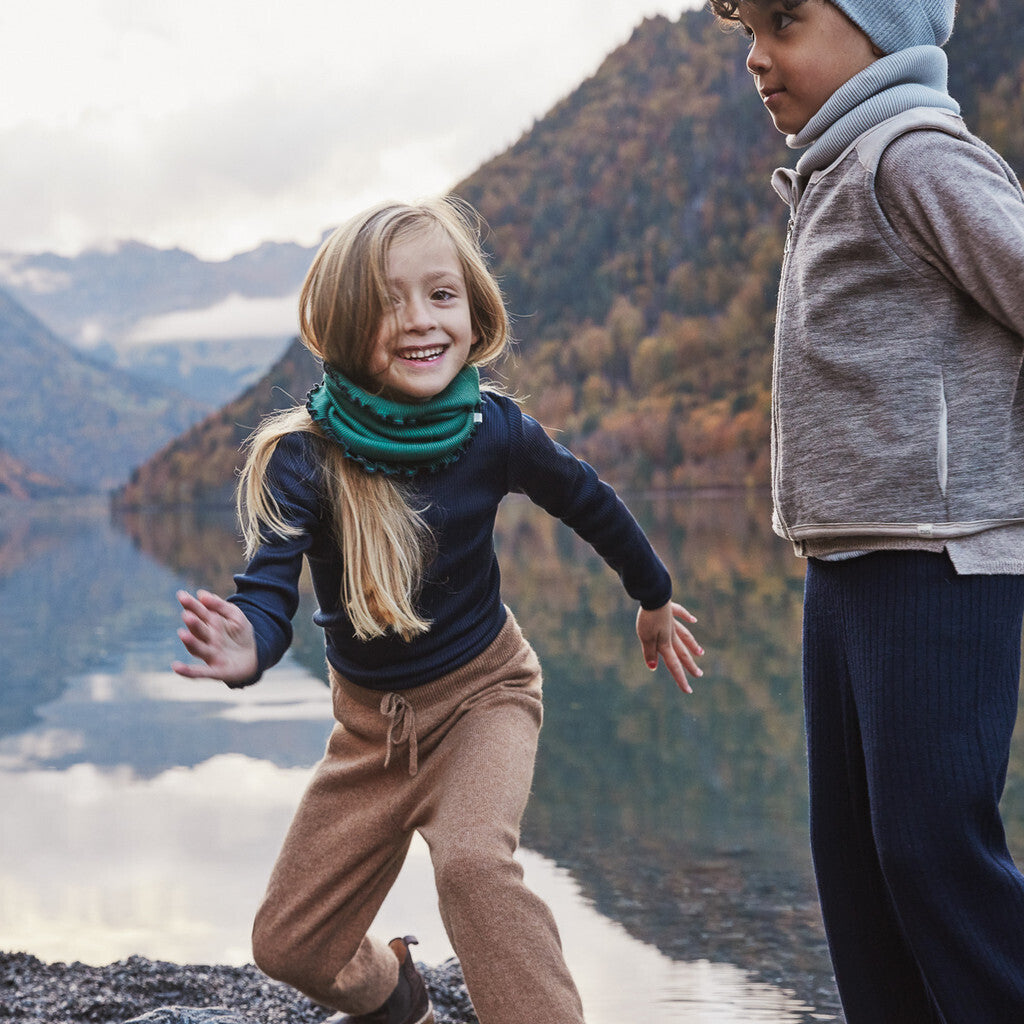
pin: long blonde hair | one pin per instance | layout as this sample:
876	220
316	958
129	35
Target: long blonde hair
385	543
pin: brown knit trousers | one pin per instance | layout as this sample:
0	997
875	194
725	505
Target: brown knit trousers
453	760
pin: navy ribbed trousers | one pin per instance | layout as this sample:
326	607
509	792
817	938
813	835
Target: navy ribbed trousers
911	677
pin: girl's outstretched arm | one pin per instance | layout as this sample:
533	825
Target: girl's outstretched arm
218	634
661	632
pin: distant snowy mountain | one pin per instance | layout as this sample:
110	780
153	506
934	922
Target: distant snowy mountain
207	329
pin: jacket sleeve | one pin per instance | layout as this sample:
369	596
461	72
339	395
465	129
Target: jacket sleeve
958	206
267	591
570	489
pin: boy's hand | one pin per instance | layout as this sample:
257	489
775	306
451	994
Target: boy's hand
661	632
217	633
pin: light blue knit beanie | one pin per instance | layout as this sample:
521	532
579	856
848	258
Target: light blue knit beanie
894	25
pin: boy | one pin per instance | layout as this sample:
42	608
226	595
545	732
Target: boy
898	471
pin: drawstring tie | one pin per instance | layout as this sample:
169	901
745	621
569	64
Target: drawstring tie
402	717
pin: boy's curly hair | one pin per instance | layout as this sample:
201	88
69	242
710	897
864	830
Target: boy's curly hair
729	10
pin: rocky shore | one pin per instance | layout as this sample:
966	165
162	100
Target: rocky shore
33	992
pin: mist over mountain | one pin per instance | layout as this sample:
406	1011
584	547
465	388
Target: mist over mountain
68	419
207	329
101	294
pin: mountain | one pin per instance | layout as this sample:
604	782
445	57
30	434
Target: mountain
20	482
164	314
200	467
69	418
103	293
636	233
986	73
615	223
638	242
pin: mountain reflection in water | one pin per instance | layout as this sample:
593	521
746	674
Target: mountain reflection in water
143	811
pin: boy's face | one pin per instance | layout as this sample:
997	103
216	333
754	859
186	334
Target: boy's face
801	51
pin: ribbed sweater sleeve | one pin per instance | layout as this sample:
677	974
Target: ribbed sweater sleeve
267	591
570	489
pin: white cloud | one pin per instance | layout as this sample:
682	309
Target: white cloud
35	279
235	317
217	124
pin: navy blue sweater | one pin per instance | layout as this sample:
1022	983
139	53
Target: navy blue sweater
461	594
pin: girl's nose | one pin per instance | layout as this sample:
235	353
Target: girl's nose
418	316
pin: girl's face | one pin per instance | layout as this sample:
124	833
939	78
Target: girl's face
425	338
801	51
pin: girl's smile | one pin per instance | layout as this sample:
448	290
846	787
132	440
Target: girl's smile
425	338
430	353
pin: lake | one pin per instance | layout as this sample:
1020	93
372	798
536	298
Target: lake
143	811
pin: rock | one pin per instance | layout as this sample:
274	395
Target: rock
190	1015
448	993
141	991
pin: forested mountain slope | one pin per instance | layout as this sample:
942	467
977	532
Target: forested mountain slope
639	243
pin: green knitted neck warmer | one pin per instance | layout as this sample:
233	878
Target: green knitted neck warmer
397	438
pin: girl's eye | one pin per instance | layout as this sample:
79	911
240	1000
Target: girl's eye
783	21
442	295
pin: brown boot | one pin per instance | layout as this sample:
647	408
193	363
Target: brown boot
408	1003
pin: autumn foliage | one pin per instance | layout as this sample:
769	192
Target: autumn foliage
639	244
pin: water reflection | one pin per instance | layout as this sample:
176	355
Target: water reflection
143	811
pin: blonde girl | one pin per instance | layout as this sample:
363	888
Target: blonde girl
387	482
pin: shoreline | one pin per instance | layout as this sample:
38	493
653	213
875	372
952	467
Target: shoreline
34	992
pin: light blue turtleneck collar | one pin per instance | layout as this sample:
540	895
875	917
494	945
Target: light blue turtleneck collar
916	77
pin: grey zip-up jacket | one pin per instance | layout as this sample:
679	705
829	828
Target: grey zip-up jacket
898	396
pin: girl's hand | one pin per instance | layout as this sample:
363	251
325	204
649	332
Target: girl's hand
661	632
217	633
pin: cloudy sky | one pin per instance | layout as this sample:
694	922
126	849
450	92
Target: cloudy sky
217	124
